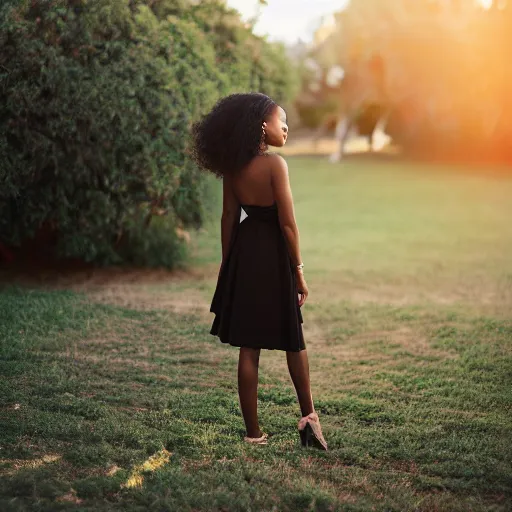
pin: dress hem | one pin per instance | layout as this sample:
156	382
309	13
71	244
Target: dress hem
255	346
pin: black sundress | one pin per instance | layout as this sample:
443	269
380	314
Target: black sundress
255	301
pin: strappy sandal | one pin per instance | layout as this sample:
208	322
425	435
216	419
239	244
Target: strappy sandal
311	432
257	440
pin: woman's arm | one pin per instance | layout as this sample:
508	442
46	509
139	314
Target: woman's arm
229	211
283	197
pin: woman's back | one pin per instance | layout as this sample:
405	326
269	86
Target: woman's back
253	184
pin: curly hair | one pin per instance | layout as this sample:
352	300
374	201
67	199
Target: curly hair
229	136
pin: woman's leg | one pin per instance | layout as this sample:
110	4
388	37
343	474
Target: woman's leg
298	366
248	362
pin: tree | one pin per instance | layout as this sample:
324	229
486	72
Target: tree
443	80
99	98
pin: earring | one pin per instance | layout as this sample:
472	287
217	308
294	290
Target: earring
263	145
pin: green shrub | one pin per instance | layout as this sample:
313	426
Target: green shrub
98	100
154	245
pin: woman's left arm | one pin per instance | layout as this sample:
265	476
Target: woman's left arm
229	211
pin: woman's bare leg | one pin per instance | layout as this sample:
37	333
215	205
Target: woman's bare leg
248	362
298	366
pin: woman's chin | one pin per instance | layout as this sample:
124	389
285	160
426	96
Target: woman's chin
277	143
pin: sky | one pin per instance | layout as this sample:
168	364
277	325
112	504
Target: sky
288	20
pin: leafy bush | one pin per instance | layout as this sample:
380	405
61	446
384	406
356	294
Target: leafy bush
98	99
155	244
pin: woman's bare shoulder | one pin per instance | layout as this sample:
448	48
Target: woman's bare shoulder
277	163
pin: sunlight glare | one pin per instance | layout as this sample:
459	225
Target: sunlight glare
486	4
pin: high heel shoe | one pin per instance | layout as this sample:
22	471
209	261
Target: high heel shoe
311	432
257	440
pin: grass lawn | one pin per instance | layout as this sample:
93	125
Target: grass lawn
114	396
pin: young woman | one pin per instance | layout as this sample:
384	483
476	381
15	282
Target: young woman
261	285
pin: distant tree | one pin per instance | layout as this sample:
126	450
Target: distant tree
445	81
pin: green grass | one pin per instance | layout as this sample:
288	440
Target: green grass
409	334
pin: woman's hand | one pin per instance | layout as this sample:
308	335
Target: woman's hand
302	288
